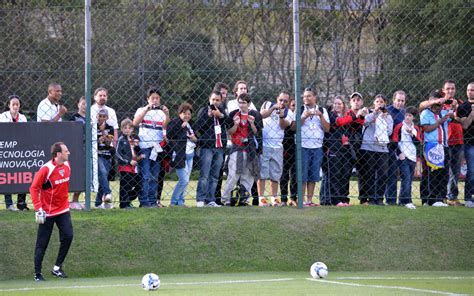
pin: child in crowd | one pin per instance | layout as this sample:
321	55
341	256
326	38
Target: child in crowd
105	150
128	155
182	142
408	136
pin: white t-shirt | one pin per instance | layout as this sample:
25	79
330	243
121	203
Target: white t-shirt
151	127
112	120
272	133
234	105
47	110
406	144
312	133
7	117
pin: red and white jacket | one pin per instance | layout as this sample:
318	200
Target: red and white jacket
50	188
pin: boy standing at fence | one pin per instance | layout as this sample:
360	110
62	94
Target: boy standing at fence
128	155
408	136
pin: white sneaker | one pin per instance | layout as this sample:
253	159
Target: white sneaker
276	202
410	206
469	204
12	208
101	206
200	204
440	204
262	202
75	206
108	198
213	204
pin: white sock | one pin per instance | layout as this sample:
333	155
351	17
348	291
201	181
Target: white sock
56	268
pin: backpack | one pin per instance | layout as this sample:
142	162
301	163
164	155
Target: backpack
239	196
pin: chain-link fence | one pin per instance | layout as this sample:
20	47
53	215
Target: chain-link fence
183	48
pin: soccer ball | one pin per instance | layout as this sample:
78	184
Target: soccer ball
150	282
318	270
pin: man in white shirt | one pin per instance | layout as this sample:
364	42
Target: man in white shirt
49	109
314	123
240	87
276	117
100	98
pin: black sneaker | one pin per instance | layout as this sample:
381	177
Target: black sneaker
39	277
59	273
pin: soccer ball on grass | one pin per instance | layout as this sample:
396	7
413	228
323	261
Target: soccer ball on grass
150	282
318	270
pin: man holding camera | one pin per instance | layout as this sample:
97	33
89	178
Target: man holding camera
276	118
244	127
455	140
212	134
152	120
434	121
314	123
49	194
466	116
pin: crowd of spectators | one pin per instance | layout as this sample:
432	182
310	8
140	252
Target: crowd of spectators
379	141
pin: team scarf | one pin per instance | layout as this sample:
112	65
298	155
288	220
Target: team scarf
434	152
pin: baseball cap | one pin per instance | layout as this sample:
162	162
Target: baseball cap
356	94
103	111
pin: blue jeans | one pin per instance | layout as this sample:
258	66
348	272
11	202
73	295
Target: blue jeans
391	186
104	166
177	198
407	169
469	181
454	166
149	169
312	159
211	163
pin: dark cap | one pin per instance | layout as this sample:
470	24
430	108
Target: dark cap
436	94
103	111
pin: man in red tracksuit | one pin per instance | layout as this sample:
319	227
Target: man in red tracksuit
49	193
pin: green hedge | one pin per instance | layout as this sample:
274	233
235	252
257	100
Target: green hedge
205	240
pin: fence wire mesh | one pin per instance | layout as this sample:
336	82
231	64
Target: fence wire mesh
183	48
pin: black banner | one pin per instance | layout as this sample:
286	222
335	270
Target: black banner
25	147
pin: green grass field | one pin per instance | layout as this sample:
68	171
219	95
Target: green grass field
275	283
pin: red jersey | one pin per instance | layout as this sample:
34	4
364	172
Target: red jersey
455	132
50	188
242	131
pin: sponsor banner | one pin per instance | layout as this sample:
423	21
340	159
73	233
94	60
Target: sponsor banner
25	147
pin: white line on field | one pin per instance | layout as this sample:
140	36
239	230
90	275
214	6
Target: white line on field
404	278
386	287
131	285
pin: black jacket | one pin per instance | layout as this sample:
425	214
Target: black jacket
177	137
205	128
124	153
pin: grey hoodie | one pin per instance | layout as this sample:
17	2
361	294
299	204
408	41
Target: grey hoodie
369	141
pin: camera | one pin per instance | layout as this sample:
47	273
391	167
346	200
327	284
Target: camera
383	109
449	102
155	107
213	107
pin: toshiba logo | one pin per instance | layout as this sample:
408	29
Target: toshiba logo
60	181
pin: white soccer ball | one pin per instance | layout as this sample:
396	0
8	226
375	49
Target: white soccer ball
150	282
318	270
